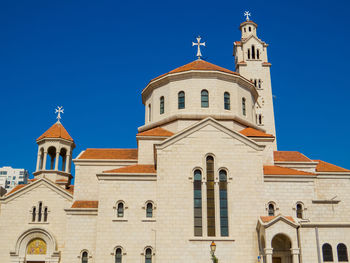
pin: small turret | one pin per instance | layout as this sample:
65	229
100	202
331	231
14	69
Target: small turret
55	148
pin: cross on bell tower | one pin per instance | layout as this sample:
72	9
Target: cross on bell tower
198	44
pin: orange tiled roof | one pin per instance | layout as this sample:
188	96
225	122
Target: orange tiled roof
278	170
238	42
198	65
138	168
158	131
69	189
251	132
16	188
328	167
121	154
290	156
56	131
85	204
267	219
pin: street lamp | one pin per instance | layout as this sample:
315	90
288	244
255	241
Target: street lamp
212	252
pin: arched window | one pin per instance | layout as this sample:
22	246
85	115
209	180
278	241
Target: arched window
210	197
149	112
40	211
148	255
149	210
118	255
204	99
248	53
223	203
84	257
260	119
327	252
299	210
259	84
181	100
257	54
197	195
244	112
342	253
271	209
253	52
161	105
120	210
45	214
227	101
250	29
255	83
33	214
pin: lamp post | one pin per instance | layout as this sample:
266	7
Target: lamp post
212	252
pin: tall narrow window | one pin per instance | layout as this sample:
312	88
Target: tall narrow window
197	189
255	83
149	210
342	253
299	210
181	100
85	257
40	211
327	252
253	52
259	84
45	214
210	197
148	255
120	210
227	105
248	53
33	214
149	112
223	203
257	54
243	107
260	119
118	255
271	210
161	105
204	99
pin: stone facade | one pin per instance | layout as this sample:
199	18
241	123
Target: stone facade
143	205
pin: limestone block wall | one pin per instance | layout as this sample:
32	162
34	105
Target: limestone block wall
134	231
16	218
175	198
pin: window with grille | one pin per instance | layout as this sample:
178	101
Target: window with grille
197	189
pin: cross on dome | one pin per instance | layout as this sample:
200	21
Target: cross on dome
198	44
247	14
59	110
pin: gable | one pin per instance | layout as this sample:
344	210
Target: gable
212	130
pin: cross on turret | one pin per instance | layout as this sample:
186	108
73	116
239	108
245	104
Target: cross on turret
198	44
59	110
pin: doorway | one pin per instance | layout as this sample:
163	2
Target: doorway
281	246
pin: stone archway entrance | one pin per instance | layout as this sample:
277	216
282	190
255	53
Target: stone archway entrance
281	249
35	245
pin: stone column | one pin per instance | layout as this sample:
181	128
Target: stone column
38	161
44	160
67	161
217	209
268	253
57	160
295	254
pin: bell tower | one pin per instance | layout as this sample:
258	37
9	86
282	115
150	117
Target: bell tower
55	148
252	63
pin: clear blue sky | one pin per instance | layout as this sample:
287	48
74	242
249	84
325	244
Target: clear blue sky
95	57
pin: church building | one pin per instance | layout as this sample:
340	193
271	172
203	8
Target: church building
206	169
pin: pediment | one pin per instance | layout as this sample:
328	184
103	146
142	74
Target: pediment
40	182
210	124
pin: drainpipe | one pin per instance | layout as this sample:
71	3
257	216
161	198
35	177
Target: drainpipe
318	245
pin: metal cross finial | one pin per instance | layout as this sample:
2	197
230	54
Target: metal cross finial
198	44
247	14
59	110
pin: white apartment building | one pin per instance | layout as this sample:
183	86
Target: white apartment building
10	177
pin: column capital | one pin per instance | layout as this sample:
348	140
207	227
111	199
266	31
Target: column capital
268	251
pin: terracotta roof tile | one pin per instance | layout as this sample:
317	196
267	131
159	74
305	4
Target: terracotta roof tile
290	156
138	168
328	167
16	188
251	132
248	22
120	154
278	170
85	204
69	189
56	131
198	65
266	219
158	131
